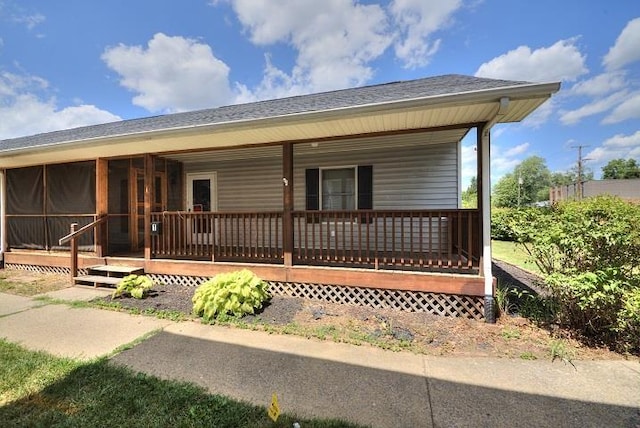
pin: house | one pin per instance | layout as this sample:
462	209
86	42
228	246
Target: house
629	190
351	195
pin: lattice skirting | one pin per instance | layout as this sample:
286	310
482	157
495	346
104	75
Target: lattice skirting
42	269
412	301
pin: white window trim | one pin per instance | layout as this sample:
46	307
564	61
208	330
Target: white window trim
355	183
190	176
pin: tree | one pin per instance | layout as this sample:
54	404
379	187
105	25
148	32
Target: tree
571	176
562	178
528	183
620	169
470	196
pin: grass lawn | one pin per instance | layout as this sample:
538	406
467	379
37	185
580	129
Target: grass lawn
513	253
29	283
37	389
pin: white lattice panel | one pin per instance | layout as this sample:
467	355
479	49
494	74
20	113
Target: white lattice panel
413	301
43	269
187	281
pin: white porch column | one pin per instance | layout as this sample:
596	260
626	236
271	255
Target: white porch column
489	304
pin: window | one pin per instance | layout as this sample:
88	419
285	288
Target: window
339	188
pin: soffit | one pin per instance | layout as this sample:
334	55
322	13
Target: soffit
351	122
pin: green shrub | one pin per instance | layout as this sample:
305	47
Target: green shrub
628	327
501	224
235	293
506	223
589	251
135	285
582	236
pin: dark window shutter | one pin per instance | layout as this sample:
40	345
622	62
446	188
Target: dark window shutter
365	187
312	187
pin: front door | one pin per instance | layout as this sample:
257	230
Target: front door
136	208
201	197
136	203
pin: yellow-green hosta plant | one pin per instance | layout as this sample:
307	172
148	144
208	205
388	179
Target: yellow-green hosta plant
135	285
235	293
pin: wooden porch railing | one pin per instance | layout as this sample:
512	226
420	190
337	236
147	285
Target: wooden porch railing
430	240
73	236
222	236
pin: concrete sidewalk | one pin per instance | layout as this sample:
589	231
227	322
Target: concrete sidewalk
325	379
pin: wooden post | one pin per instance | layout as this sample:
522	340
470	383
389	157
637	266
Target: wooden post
102	207
149	194
74	254
287	199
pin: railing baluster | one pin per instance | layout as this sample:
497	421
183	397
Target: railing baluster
420	247
402	233
449	240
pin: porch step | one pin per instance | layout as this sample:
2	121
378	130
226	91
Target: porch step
115	270
106	275
96	280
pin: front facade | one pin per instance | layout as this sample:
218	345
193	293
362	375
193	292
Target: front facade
351	195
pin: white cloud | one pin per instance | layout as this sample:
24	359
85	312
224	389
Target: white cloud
25	108
506	154
171	74
335	41
30	21
611	91
626	49
517	150
601	84
560	62
469	163
503	157
616	147
627	109
417	21
598	106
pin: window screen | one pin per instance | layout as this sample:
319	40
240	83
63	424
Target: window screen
339	189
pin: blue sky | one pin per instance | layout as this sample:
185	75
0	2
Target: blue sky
75	62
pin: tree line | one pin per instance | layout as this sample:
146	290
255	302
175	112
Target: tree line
530	181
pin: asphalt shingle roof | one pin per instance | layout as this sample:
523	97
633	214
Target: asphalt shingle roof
375	94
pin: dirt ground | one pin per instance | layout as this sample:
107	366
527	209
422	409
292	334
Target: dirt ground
510	337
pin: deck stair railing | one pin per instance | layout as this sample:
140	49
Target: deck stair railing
73	236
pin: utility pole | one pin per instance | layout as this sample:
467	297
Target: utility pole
519	187
581	160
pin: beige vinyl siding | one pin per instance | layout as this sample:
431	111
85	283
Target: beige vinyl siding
246	184
406	175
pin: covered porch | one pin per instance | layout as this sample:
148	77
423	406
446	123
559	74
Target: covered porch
197	213
358	189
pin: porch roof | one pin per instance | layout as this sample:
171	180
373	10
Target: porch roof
433	102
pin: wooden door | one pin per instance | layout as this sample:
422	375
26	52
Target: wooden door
136	208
